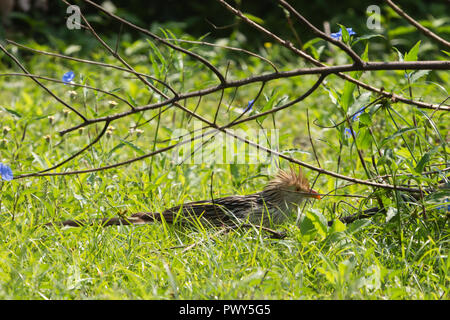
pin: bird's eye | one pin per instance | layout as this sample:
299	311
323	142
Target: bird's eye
297	189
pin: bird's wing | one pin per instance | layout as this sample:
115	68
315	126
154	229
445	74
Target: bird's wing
218	212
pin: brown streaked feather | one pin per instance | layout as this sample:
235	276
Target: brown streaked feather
277	199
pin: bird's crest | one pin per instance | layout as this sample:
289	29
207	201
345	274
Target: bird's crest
285	179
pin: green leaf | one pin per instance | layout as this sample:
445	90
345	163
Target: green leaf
367	37
319	222
161	179
254	18
268	106
412	54
310	45
117	147
364	139
345	35
306	227
361	101
337	226
365	55
347	95
158	54
14	113
334	97
418	74
396	134
349	87
425	159
133	146
365	119
358	225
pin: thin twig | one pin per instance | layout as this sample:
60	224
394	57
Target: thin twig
93	142
351	116
40	83
356	59
416	24
159	39
72	84
101	64
310	139
204	43
308	58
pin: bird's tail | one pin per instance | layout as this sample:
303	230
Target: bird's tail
137	218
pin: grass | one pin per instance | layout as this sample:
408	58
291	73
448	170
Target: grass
401	256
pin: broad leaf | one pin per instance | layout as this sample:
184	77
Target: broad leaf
412	54
396	134
425	159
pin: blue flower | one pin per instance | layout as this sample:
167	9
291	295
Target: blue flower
249	106
356	116
348	133
68	76
338	35
351	32
6	172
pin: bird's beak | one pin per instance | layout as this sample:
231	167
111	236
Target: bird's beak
314	194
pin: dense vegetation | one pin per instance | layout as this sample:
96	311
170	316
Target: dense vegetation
402	254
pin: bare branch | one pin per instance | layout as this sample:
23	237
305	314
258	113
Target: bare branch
101	64
40	83
72	84
319	69
308	58
204	43
159	39
416	24
97	139
356	59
